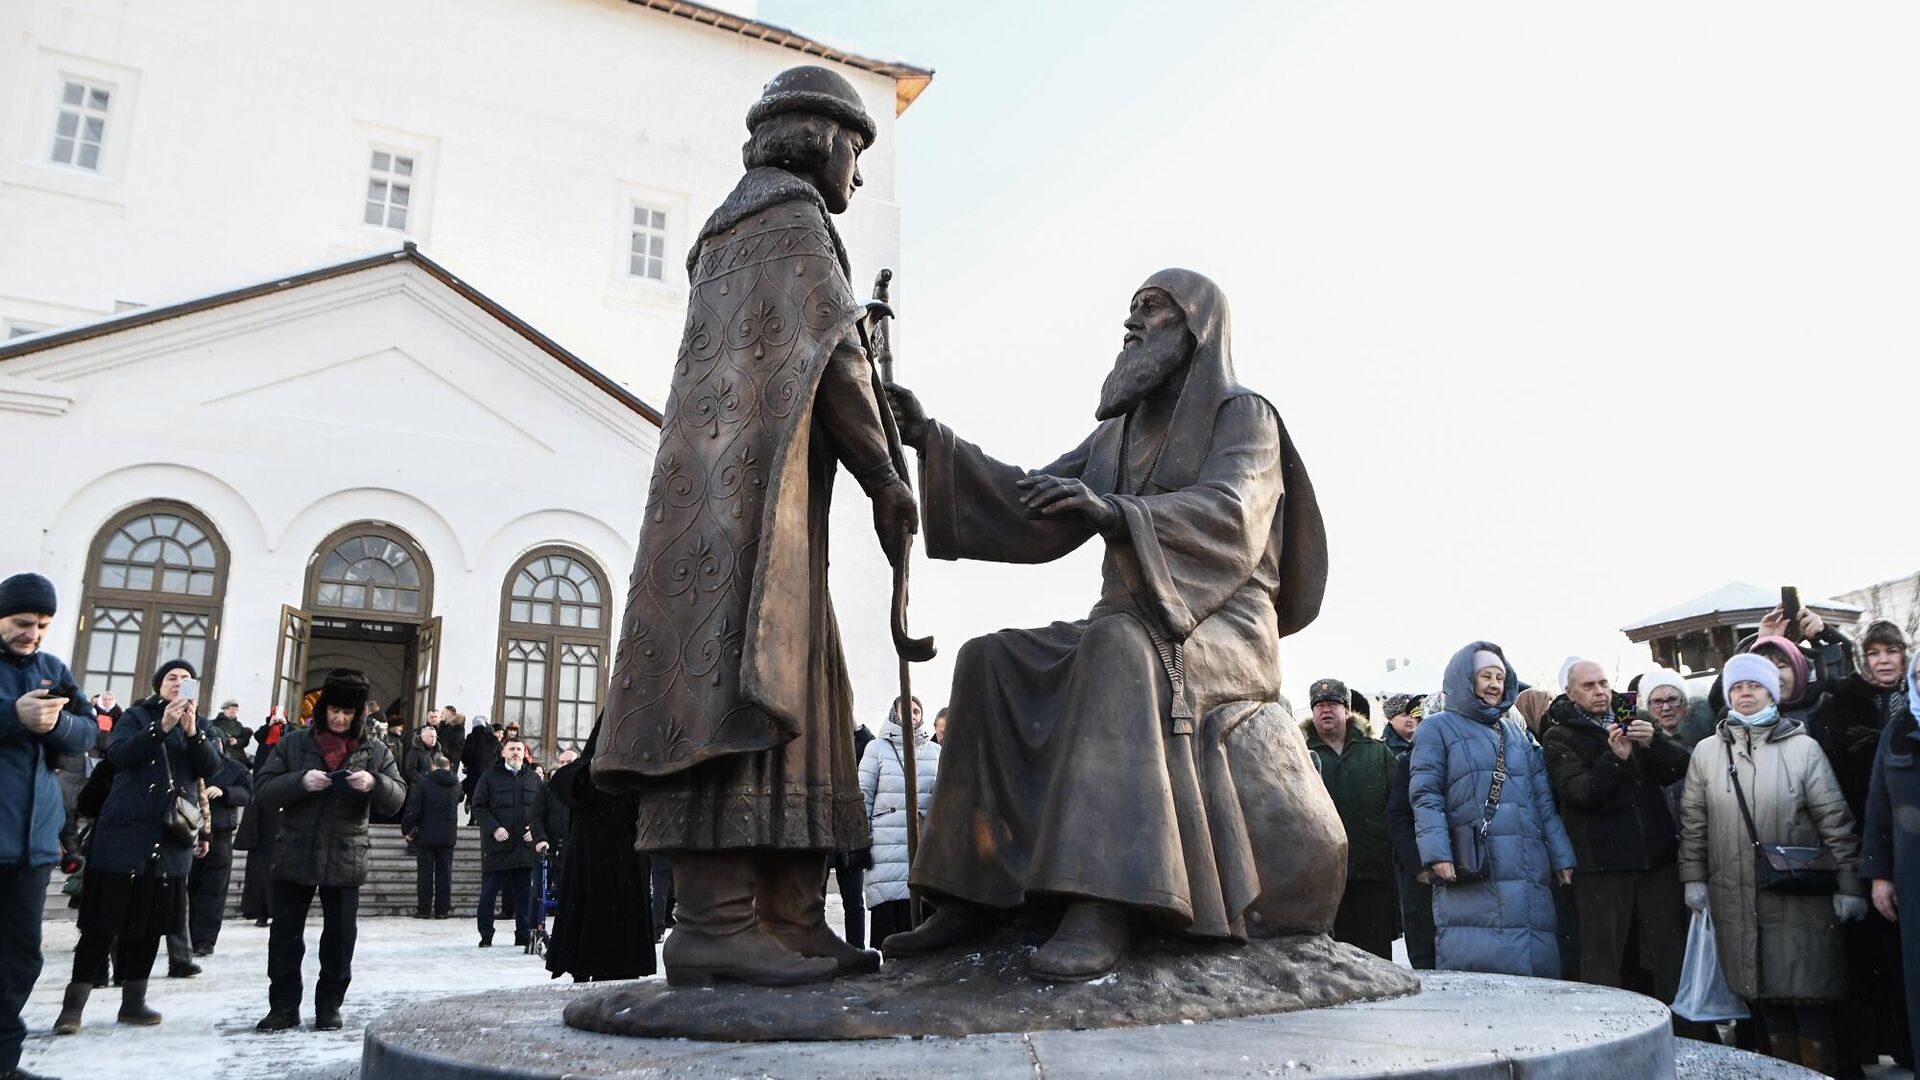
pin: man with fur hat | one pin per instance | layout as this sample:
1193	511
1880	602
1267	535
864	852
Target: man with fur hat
325	779
730	714
37	723
1358	771
1214	552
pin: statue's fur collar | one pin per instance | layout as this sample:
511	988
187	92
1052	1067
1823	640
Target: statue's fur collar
759	189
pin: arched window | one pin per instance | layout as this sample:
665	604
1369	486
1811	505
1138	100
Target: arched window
554	648
372	571
156	580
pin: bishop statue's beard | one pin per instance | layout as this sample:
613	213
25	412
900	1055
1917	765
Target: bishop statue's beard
1141	370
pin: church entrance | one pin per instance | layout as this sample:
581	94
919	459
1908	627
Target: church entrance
368	604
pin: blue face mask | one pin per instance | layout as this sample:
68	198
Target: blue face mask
1762	718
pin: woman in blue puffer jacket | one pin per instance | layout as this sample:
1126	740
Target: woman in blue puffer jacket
1504	922
883	780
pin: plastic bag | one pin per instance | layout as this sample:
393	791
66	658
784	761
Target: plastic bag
1704	996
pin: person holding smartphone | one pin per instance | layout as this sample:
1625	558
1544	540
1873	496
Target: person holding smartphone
327	779
1610	770
35	723
135	890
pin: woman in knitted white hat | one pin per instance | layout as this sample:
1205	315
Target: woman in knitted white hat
1763	780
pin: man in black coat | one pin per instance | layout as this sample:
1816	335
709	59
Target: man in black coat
1416	883
507	808
431	823
326	779
1608	768
480	752
228	791
232	731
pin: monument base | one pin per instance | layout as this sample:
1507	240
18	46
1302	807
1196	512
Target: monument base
1460	1025
988	989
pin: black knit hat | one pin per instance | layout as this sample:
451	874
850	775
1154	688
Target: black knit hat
26	593
816	91
345	688
171	665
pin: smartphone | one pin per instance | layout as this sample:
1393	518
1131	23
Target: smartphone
340	777
189	690
1790	607
1633	705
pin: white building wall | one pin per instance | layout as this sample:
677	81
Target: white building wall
256	415
238	143
237	149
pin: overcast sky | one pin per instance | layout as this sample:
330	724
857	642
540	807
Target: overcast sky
1575	311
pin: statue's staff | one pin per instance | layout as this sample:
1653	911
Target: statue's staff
910	649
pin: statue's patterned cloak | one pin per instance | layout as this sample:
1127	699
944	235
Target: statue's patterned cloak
729	712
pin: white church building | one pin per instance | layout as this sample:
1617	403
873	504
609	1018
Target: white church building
323	348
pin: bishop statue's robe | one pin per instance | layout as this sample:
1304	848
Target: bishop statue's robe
1078	761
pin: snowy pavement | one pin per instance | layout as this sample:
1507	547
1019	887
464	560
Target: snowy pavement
208	1031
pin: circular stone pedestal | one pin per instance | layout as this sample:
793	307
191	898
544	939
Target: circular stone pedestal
989	989
1460	1025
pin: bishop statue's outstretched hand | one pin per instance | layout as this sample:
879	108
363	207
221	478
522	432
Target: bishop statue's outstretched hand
1064	497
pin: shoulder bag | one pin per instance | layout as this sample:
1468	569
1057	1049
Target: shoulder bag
1470	858
1781	868
184	819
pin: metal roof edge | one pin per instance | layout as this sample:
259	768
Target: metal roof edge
909	80
408	252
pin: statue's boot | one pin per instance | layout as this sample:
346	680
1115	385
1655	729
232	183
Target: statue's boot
1784	1047
1820	1055
954	923
793	907
1092	937
717	938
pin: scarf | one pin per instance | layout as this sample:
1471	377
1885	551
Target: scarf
334	748
1764	718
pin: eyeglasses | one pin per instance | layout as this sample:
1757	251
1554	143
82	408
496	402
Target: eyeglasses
1664	703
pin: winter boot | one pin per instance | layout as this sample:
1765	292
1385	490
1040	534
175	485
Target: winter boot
133	1004
71	1007
1092	937
955	922
789	903
278	1019
719	938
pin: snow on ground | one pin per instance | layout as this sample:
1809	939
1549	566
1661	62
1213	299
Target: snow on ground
208	1033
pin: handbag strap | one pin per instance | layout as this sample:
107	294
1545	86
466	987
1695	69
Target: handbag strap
1733	774
166	763
1499	781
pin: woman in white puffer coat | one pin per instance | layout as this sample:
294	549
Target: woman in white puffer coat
883	780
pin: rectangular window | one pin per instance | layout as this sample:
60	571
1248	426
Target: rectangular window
81	125
575	704
389	190
647	255
113	653
526	686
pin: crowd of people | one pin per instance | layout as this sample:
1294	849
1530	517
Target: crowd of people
1574	834
1495	827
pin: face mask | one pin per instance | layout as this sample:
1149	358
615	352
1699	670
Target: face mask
1760	719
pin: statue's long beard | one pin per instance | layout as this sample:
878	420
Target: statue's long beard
1139	371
